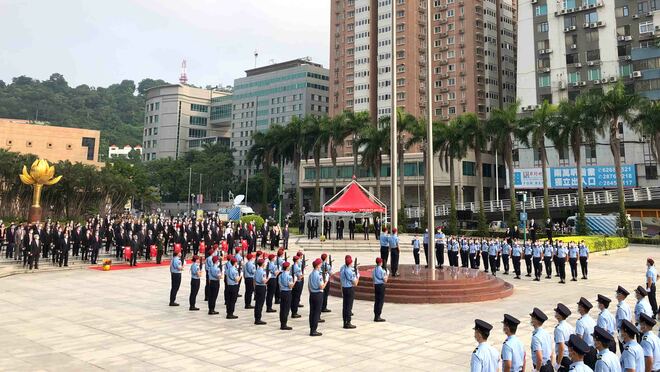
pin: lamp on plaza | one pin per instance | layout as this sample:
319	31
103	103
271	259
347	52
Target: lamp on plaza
41	174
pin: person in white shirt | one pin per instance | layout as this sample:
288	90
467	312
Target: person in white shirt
622	312
650	343
605	318
484	357
563	332
584	327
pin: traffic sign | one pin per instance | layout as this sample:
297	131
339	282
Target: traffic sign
523	216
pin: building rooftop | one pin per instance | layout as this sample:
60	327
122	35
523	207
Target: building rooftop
281	66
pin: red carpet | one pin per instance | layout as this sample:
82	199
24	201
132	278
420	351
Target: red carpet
140	265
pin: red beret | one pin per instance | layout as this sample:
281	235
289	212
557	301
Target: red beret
280	251
195	258
250	256
384	228
650	261
260	261
324	256
299	254
285	264
215	246
316	262
259	253
379	260
348	259
233	260
230	257
295	258
215	259
394	230
177	250
271	256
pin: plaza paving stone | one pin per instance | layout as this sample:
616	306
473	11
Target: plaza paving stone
84	320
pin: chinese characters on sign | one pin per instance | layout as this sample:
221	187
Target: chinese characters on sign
566	177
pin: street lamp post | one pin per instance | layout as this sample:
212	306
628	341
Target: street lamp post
523	214
430	203
394	206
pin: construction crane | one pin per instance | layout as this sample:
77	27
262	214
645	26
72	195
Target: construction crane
183	78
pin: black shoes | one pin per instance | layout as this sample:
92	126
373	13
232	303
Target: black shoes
271	311
285	328
316	333
348	326
249	307
379	319
213	313
173	304
574	280
232	317
295	316
194	309
321	320
326	311
259	322
301	305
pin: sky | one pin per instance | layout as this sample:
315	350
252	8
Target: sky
101	42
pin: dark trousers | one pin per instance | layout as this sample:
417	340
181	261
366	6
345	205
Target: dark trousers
528	263
395	261
555	260
590	358
416	256
33	261
315	303
133	257
379	299
118	249
285	306
473	261
426	253
492	261
384	254
572	262
652	299
440	254
348	295
214	289
351	234
259	299
232	292
176	283
516	265
276	292
207	287
271	293
55	256
505	263
64	258
565	364
453	258
537	267
95	255
194	289
326	292
484	256
561	268
10	251
249	289
547	261
464	258
583	266
296	292
84	252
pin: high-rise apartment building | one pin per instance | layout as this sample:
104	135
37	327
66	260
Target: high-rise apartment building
473	56
179	118
272	95
569	47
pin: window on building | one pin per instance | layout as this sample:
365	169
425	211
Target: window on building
198	120
646	27
574	77
591	36
570	21
622	11
541	10
199	108
591	17
568	4
594	74
486	170
572	58
542	27
469	168
593	55
590	154
157	105
623	30
625	70
544	80
563	156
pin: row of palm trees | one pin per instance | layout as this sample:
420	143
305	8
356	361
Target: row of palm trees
568	125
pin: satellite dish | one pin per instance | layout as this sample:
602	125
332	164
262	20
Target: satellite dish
238	199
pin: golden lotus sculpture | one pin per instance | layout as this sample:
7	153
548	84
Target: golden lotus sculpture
41	174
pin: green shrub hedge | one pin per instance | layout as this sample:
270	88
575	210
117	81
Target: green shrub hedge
258	220
654	241
597	243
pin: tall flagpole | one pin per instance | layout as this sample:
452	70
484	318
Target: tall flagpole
430	204
394	205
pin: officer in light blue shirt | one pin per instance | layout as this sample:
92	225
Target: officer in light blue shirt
349	277
249	272
215	275
579	350
176	266
584	257
562	253
465	252
379	277
394	252
484	357
439	247
542	347
605	318
194	283
516	257
425	242
493	254
563	332
416	247
642	306
506	252
286	282
384	246
484	254
651	277
513	352
536	258
584	327
548	252
607	361
233	280
632	357
260	280
650	342
315	284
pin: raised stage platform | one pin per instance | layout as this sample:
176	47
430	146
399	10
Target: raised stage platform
451	285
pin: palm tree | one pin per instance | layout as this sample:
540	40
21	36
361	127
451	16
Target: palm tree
575	124
353	123
291	145
373	143
316	138
449	144
504	126
534	130
474	135
261	154
338	131
614	106
647	124
405	122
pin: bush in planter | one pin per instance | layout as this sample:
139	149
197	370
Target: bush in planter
597	243
258	220
654	241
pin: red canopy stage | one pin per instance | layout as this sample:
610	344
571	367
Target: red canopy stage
354	199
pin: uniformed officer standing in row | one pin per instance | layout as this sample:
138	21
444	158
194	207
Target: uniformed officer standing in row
286	282
379	277
622	312
642	306
632	357
249	272
194	283
349	278
394	252
606	360
584	327
577	349
513	352
233	282
215	276
605	318
650	343
316	284
542	348
326	269
273	272
484	357
175	273
563	332
260	280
